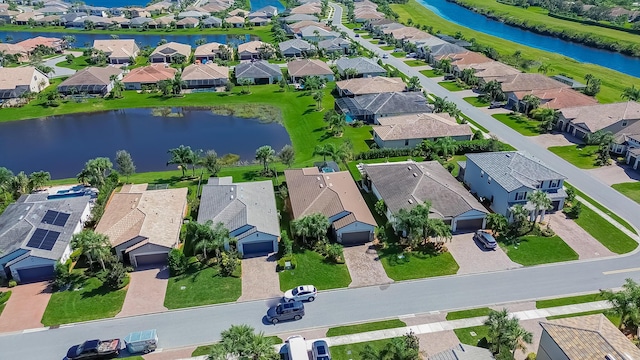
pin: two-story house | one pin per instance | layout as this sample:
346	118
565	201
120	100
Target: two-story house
506	178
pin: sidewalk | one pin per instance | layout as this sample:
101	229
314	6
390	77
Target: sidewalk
534	314
586	203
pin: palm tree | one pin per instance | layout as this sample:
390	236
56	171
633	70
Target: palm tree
439	104
39	179
210	161
498	223
541	201
547	117
318	96
337	122
493	89
518	336
324	151
265	154
118	86
625	304
177	83
414	84
165	87
311	226
350	72
531	102
631	93
181	156
497	323
588	78
469	77
95	246
203	238
446	146
445	66
241	342
544	68
19	184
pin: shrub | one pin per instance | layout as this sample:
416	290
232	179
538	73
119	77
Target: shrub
62	276
450	166
177	262
573	212
281	262
117	277
75	255
571	194
4	297
229	262
333	252
383	153
12	283
531	356
547	232
286	244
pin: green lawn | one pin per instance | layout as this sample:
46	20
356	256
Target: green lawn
519	123
206	349
360	328
569	300
474	336
615	319
387	47
601	208
451	85
613	82
80	62
367	37
629	189
416	265
535	250
4	297
454	160
430	73
465	314
582	156
605	232
416	63
480	127
204	287
352	351
477	101
312	268
398	54
91	302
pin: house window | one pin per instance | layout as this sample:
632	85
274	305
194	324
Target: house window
554	184
481	173
539	185
406	143
488	179
521	195
624	123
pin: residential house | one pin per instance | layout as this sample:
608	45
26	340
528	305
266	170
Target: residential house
144	225
148	76
16	81
139	22
309	9
299	69
207	75
374	85
407	131
49	20
247	209
187	23
167	52
337	45
517	86
258	72
316	34
250	50
409	34
299	17
296	28
433	54
71	19
453	40
258	21
294	48
24	18
269	10
118	51
162	22
362	67
372	107
139	12
116	12
57	44
406	184
507	178
561	98
235	21
90	80
207	52
53	10
192	14
13	49
569	81
493	70
584	337
465	60
463	352
257	14
238	12
334	195
7	15
158	8
36	232
212	22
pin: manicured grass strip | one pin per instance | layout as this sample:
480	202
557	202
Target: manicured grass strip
206	349
474	336
536	250
605	232
311	268
629	189
466	314
399	54
360	328
367	37
416	63
429	73
91	302
480	127
387	47
615	319
476	101
4	297
601	208
519	123
450	85
416	265
582	156
204	287
352	351
569	300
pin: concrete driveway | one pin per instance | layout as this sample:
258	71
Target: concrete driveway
146	291
57	70
615	174
25	307
556	139
580	241
364	266
473	258
260	279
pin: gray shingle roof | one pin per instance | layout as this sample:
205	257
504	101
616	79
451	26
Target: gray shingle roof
446	48
297	44
421	182
360	64
300	17
333	44
514	169
257	70
393	103
241	204
463	352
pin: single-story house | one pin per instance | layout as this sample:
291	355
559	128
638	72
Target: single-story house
271	11
166	52
205	75
407	131
335	45
238	12
235	21
293	18
295	28
91	80
159	7
13	49
363	67
144	225
147	76
187	23
517	85
334	195
250	50
23	18
207	52
433	53
138	12
371	107
493	70
309	9
16	81
316	34
584	337
118	51
53	10
506	178
463	352
58	45
36	231
258	72
247	209
569	81
558	98
294	48
259	21
468	59
302	68
192	14
212	22
374	85
139	22
49	20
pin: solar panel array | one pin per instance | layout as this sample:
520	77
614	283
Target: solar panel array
55	218
43	239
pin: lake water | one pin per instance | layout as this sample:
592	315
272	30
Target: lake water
467	18
257	4
62	144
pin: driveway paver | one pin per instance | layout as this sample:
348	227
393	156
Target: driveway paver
615	174
556	139
435	342
260	279
580	241
364	266
25	307
183	353
534	327
473	258
146	292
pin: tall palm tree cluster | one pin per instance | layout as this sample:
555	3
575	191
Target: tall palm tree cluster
337	122
13	186
400	348
418	227
505	335
626	305
172	86
184	156
207	239
342	152
242	343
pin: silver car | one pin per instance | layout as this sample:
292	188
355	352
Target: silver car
301	293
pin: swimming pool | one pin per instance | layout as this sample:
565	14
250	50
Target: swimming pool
65	195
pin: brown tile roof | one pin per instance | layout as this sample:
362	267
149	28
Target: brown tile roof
207	49
600	116
10	78
237	12
30	44
590	337
311	191
409	33
466	58
528	82
209	70
251	46
559	98
297	26
172	48
150	74
493	70
13	49
308	67
310	9
92	76
117	48
420	126
235	20
374	85
27	15
188	21
152	214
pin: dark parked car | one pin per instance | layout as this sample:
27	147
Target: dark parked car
320	350
487	240
94	349
286	311
496	104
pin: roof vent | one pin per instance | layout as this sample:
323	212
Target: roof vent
410	201
409	168
330	184
231	197
231	189
415	175
609	357
318	178
321	186
509	155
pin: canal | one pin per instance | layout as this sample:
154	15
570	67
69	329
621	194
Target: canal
62	144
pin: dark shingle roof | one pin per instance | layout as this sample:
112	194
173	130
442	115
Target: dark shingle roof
393	103
257	70
360	64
